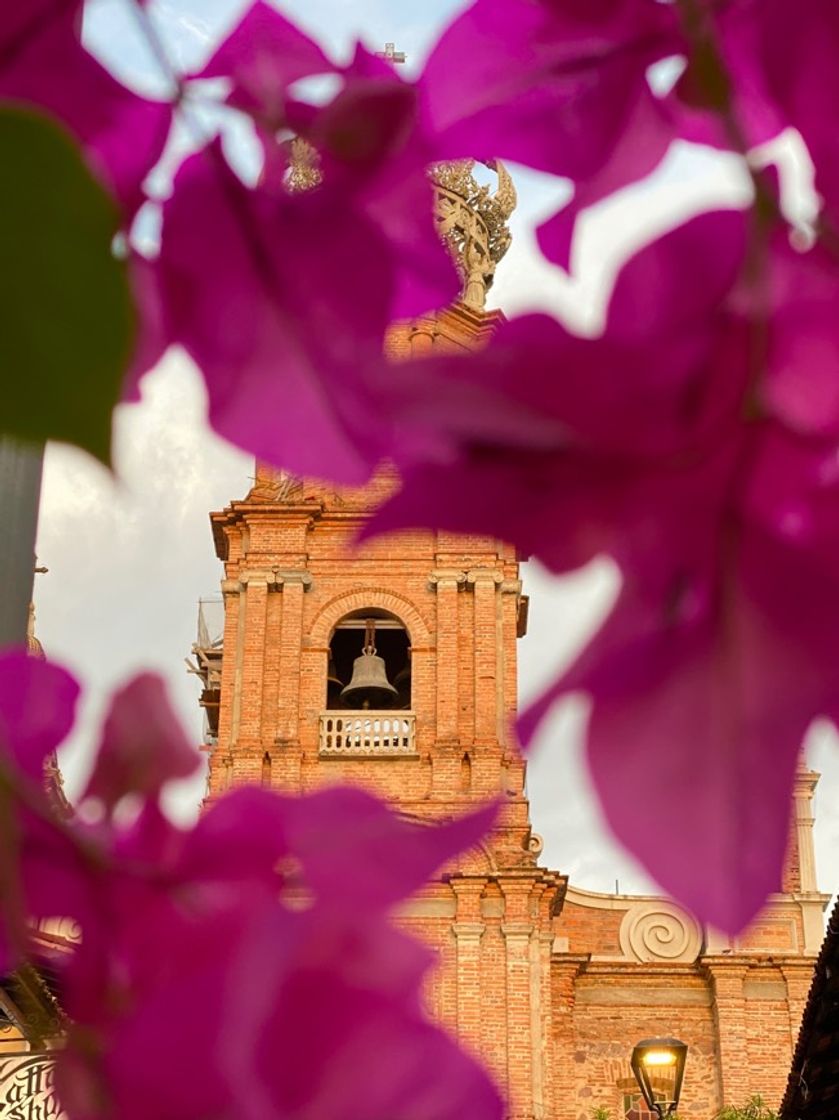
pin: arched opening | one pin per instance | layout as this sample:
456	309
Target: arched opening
356	685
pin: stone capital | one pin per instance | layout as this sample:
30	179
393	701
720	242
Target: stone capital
484	575
446	577
466	931
256	576
511	587
805	783
728	978
283	577
517	930
231	587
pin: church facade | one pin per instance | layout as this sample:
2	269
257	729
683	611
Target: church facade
549	984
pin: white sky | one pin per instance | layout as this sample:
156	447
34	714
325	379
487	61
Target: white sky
129	557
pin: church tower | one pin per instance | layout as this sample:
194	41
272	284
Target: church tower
392	666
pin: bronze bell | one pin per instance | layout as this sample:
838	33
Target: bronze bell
334	684
369	687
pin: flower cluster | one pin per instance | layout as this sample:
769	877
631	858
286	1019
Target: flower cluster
262	934
695	441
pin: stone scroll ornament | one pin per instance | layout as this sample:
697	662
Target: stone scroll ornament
660	931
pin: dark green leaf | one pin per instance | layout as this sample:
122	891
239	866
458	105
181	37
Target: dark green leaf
66	319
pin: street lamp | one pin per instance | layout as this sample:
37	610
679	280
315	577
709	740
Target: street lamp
659	1067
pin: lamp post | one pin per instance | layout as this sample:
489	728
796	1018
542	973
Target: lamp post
659	1068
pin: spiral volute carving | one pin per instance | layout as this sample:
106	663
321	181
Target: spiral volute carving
660	931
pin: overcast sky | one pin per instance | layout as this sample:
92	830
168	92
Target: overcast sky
129	556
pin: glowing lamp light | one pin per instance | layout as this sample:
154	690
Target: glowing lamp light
659	1068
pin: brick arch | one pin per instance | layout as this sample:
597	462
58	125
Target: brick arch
332	612
477	860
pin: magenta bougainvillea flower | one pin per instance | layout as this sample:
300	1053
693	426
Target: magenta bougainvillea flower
372	157
143	747
261	936
802	360
151	323
717	494
694	442
263	55
646	137
43	64
375	155
548	84
722	97
281	337
797	52
37	711
559	87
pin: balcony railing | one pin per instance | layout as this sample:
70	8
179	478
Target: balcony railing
370	734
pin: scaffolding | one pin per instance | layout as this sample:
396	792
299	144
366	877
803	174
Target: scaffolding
207	652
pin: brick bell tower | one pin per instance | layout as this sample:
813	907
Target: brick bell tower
429	726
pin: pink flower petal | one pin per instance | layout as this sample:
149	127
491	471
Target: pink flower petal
263	55
249	984
37	709
143	745
122	134
152	338
281	337
329	1055
718	655
239	837
679	281
798	51
802	374
756	116
350	845
373	152
542	83
637	152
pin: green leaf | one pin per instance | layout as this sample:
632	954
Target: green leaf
66	315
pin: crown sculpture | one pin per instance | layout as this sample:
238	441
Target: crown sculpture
472	220
471	217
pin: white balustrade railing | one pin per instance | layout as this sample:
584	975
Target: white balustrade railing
367	733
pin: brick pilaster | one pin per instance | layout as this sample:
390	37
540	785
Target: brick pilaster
484	582
727	978
468	930
447	583
798	978
293	585
231	667
255	596
564	973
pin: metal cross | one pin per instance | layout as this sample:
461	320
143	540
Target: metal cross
391	54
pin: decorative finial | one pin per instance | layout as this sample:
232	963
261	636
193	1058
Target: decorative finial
303	166
473	222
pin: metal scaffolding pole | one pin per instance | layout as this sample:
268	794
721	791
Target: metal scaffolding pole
20	490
